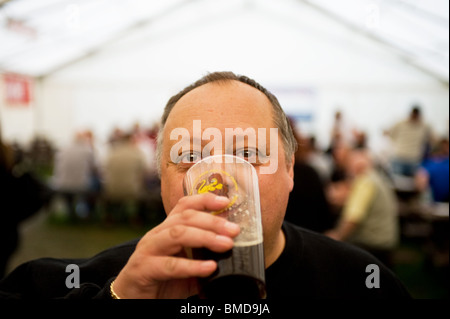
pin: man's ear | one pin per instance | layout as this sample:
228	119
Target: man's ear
290	168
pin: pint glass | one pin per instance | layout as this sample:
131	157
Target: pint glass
240	271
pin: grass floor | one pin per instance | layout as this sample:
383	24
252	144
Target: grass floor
423	275
43	235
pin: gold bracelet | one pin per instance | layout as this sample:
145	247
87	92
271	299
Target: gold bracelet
111	291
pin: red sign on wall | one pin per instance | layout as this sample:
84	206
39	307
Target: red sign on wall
17	89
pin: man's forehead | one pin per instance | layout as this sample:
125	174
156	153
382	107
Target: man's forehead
219	89
231	103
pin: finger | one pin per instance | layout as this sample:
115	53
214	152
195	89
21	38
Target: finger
169	267
173	239
202	202
203	221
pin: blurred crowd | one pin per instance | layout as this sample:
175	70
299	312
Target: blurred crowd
120	183
346	191
351	193
114	183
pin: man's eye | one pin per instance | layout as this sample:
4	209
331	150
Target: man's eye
189	157
248	154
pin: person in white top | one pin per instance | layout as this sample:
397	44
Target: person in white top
410	138
74	166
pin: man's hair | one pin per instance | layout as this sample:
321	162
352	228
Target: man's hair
279	117
416	111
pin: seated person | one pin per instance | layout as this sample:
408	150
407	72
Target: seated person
434	173
369	216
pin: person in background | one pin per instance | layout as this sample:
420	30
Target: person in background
410	139
308	205
433	174
95	188
116	135
22	195
342	132
144	140
72	176
9	236
432	180
339	162
318	160
369	218
124	173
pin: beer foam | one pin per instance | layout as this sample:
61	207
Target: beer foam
248	243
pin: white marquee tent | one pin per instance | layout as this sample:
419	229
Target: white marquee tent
98	64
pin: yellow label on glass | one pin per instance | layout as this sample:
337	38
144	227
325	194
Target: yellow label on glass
212	181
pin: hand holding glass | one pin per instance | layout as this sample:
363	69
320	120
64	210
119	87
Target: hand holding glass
240	271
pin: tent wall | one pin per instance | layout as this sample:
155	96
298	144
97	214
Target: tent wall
290	49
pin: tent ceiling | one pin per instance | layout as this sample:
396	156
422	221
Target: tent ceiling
38	37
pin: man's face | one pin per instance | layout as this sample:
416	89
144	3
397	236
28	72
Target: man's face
228	105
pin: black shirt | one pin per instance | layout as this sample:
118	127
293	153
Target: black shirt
315	266
308	205
311	266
